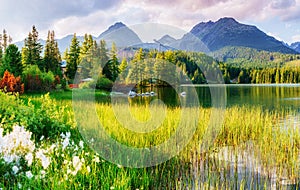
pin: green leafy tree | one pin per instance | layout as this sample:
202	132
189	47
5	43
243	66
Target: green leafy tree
12	61
73	58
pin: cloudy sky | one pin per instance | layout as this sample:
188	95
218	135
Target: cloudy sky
279	18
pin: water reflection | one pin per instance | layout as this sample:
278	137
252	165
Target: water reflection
268	96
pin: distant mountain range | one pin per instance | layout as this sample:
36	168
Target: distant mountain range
296	46
205	36
228	32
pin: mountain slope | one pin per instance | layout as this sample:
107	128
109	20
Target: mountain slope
121	35
229	32
296	46
63	43
167	40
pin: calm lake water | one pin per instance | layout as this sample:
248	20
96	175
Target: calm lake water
269	96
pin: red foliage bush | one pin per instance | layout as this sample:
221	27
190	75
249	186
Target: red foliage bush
33	83
10	84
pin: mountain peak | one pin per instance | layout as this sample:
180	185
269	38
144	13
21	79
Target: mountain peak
116	26
227	19
120	34
296	46
112	28
228	32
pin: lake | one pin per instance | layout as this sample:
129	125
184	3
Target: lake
268	96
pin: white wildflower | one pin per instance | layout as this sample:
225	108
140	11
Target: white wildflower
43	173
92	140
15	169
1	132
88	168
68	135
29	158
43	158
81	144
15	144
42	138
96	159
65	143
76	163
52	147
29	175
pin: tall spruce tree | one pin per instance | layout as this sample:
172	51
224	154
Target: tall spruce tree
73	58
87	45
135	73
103	53
32	51
52	56
12	61
111	69
5	40
87	51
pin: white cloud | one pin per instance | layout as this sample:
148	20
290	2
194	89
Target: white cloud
296	38
94	16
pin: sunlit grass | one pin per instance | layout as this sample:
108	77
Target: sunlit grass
250	137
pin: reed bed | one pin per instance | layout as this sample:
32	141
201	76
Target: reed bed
253	149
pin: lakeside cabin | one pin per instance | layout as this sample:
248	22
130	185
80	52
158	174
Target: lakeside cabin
63	66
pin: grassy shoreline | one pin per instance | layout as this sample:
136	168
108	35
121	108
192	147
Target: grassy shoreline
274	149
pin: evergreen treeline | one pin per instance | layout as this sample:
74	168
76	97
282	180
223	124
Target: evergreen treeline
102	66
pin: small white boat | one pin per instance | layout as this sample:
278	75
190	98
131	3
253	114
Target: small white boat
183	94
132	93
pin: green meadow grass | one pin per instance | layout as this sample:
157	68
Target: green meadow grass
275	148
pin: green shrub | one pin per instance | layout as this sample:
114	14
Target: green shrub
104	83
48	81
32	78
36	80
42	116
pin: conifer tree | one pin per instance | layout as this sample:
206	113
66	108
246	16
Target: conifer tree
73	58
12	60
5	40
111	69
277	76
103	53
52	56
87	52
87	45
32	51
